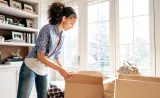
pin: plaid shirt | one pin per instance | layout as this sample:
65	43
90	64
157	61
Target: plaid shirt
46	42
55	92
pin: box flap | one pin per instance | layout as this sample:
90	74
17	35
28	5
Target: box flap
140	78
109	80
90	73
85	79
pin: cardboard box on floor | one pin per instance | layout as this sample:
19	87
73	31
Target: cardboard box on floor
84	84
108	87
127	86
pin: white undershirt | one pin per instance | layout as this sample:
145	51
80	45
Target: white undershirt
37	66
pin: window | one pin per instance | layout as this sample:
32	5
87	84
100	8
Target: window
99	44
70	47
98	36
69	52
134	33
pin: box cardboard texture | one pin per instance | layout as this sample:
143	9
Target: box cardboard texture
108	87
84	86
140	78
108	90
127	86
136	89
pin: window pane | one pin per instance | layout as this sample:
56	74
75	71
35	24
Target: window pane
92	13
71	38
142	56
140	7
103	59
141	29
69	52
103	10
67	39
92	34
104	67
125	8
103	35
126	31
126	52
92	56
70	48
104	53
98	40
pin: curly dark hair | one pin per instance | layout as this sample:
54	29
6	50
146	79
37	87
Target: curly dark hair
57	10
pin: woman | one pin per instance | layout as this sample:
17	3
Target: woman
48	45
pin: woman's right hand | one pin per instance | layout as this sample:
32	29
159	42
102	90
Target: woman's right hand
64	73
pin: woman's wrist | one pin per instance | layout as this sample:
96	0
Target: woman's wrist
58	68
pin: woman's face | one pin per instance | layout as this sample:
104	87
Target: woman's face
68	23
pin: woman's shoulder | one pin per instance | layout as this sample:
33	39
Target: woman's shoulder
50	29
45	28
49	26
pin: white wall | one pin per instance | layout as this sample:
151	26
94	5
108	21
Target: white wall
43	11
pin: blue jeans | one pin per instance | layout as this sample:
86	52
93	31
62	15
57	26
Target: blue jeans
26	80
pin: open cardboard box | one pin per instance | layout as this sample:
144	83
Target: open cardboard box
127	86
87	84
84	84
108	87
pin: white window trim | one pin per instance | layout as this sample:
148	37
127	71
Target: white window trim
114	39
152	38
83	36
157	34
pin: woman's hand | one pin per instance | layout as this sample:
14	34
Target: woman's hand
64	73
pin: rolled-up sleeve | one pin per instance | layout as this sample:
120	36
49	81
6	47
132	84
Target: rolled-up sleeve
56	56
42	39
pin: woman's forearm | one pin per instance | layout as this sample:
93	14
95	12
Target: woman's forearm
44	60
58	62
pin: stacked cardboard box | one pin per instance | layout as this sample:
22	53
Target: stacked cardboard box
83	84
127	86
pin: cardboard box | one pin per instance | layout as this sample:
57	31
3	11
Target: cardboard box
108	90
84	85
127	86
108	87
136	89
